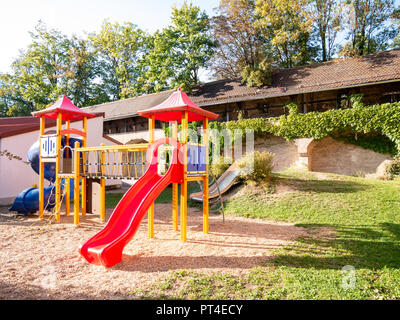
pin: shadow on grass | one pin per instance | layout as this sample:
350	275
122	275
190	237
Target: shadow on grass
370	247
321	186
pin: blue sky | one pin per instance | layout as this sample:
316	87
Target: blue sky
17	17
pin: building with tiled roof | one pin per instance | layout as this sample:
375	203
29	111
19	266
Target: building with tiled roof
316	87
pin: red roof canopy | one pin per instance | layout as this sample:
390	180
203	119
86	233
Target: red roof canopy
171	109
64	106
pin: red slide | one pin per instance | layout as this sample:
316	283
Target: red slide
105	248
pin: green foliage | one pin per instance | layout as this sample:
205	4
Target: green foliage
217	168
256	166
119	49
393	170
381	119
259	75
53	64
368	25
180	50
240	44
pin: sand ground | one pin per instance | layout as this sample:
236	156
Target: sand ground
40	260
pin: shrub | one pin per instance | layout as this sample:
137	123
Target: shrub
261	169
393	169
219	167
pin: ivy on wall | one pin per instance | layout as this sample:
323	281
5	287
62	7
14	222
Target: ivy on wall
372	121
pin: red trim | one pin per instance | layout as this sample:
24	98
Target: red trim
73	131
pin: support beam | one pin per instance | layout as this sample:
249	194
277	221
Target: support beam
76	184
58	180
184	184
205	180
150	214
103	187
41	172
175	198
84	144
67	180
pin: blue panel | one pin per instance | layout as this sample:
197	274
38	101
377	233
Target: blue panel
202	166
193	158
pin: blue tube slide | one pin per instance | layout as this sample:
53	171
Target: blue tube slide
27	202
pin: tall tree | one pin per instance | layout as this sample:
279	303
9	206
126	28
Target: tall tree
327	16
288	25
240	43
119	49
82	74
370	29
37	76
181	50
396	18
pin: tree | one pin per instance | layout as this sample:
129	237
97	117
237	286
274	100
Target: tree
180	50
37	74
368	22
120	49
288	25
327	16
396	18
239	43
84	85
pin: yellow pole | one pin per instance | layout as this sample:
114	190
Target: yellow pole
103	187
67	180
68	125
150	214
184	184
41	173
175	185
76	184
84	143
58	181
67	196
205	179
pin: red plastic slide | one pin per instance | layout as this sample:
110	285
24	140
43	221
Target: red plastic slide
105	248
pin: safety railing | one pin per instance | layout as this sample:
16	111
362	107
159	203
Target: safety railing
113	162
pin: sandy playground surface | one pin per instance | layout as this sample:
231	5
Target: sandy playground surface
39	260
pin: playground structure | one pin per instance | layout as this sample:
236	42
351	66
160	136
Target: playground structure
188	162
52	152
79	164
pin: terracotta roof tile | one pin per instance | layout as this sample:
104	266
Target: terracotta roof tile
336	74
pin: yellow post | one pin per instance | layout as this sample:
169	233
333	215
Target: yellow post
67	180
41	173
58	180
175	185
67	196
68	125
76	184
84	142
205	179
184	184
150	213
103	187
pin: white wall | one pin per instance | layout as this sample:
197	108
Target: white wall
125	137
15	175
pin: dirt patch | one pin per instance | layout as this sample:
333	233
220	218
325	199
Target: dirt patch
41	261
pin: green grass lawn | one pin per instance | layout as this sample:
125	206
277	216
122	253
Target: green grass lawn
351	221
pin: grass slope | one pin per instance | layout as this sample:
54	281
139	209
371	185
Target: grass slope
351	221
